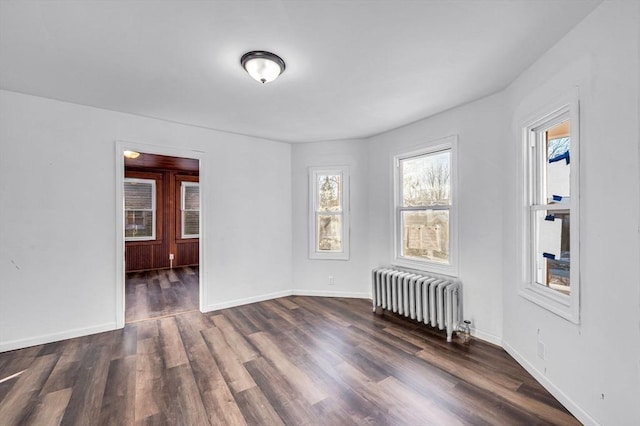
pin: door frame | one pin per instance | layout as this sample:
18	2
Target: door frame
120	147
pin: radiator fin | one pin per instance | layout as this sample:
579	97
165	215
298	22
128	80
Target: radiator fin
429	299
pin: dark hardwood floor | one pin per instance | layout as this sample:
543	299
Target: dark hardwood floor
294	360
154	294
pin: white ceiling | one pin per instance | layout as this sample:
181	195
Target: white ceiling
354	68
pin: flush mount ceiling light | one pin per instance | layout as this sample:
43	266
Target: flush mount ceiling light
131	154
262	66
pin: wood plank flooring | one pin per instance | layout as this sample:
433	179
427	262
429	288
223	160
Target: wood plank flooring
289	361
158	293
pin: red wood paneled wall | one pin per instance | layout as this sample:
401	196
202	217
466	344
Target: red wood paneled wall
145	255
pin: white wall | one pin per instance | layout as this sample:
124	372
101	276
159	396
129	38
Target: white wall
601	355
480	130
57	215
592	367
351	277
479	127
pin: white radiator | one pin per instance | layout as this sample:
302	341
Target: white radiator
425	298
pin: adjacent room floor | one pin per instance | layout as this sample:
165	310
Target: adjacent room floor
154	294
294	360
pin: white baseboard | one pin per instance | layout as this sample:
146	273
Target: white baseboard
323	293
276	295
569	404
79	332
246	301
487	337
55	337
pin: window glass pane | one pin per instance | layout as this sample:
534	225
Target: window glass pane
191	197
329	192
426	235
328	212
191	222
329	232
426	180
553	251
138	223
138	195
558	164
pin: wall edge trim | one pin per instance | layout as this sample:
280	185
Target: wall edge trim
323	293
246	300
487	337
56	337
565	400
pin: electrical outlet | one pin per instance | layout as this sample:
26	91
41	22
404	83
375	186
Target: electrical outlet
331	281
170	256
540	350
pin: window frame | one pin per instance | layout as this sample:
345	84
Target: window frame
450	144
153	209
313	173
184	184
563	305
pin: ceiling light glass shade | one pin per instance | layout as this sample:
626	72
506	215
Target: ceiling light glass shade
262	66
131	154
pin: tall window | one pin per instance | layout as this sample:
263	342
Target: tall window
551	220
425	208
329	207
139	209
190	209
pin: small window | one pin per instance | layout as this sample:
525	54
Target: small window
425	209
329	230
139	209
551	179
190	209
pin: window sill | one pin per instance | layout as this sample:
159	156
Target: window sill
551	300
328	256
433	267
143	241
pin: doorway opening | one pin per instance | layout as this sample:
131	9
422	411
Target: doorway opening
160	232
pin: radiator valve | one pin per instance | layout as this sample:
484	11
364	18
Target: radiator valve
464	331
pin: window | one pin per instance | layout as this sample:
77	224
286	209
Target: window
425	225
190	209
329	207
551	216
139	209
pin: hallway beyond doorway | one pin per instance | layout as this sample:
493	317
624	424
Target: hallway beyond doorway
159	293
